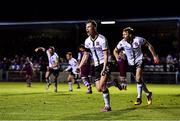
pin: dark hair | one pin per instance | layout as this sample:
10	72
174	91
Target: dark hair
69	53
52	48
81	46
93	22
130	30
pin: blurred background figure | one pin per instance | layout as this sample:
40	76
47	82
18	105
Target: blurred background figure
28	68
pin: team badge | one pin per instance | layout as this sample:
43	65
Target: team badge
136	44
97	43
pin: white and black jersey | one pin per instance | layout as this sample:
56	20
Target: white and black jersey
133	51
73	65
97	46
53	59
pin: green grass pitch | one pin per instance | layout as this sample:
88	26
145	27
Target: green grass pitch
18	102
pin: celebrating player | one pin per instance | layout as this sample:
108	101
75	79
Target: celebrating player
98	46
53	67
132	47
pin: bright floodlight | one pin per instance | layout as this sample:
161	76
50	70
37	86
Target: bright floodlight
108	22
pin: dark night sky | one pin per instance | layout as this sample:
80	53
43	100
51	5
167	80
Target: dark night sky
76	10
13	11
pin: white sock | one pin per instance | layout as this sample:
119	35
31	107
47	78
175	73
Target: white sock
70	85
139	90
106	98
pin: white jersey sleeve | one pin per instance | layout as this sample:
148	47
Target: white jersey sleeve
68	68
104	44
87	44
142	41
79	56
119	45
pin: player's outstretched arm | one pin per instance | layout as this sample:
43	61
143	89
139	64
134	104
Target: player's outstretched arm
40	48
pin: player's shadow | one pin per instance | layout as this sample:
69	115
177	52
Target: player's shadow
177	95
103	115
115	114
61	94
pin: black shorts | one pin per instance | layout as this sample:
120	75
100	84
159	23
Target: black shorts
76	76
55	72
98	70
139	64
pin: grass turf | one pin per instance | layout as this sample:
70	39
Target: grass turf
18	102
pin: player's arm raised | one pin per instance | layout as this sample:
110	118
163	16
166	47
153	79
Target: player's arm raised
40	48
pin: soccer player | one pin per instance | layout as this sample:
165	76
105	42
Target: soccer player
132	46
53	67
28	68
98	45
72	68
85	68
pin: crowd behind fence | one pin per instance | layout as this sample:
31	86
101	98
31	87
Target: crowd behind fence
165	72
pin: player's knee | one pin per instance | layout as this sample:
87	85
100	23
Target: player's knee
139	81
98	89
106	91
55	78
138	78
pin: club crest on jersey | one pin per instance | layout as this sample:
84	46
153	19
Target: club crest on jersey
97	43
135	44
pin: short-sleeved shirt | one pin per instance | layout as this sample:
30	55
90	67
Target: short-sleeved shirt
97	47
53	59
72	65
133	51
89	60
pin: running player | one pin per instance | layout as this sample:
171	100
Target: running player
85	69
53	67
132	47
72	68
98	45
28	68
